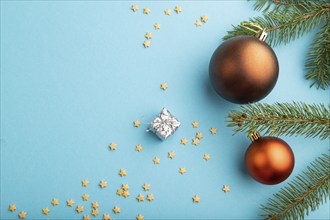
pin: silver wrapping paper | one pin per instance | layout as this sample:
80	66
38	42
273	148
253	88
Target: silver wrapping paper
164	125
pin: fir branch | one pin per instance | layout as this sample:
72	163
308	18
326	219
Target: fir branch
309	120
304	193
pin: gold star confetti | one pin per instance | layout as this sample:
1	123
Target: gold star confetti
106	217
198	23
195	124
207	157
146	187
125	194
112	146
120	192
85	197
138	147
95	212
146	44
156	160
148	35
139	217
157	26
182	170
146	11
178	9
213	130
167	11
85	182
122	172
103	184
22	214
195	141
150	197
136	123
199	135
79	209
196	199
86	217
95	205
135	8
226	188
184	141
12	207
55	202
124	186
163	86
171	154
116	210
45	211
140	198
70	203
204	18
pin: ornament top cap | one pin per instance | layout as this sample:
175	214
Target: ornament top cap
254	136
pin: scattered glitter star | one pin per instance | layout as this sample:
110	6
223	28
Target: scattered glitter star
184	141
85	182
85	197
139	217
196	199
112	146
95	212
195	141
103	184
136	123
125	194
157	26
198	23
194	124
95	205
140	198
199	135
70	203
45	211
204	18
178	9
135	8
164	86
207	157
22	214
167	11
79	209
150	197
213	130
55	202
171	154
116	210
226	188
146	44
119	192
86	217
106	217
182	170
12	207
138	147
156	160
146	11
146	187
148	35
125	186
122	172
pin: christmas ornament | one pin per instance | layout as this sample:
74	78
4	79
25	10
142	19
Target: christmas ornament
269	160
244	69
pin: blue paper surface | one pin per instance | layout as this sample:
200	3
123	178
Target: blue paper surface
75	75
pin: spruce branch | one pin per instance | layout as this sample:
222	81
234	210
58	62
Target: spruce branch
305	192
309	120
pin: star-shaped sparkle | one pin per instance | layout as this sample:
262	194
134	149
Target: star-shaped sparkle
195	141
184	141
125	194
146	11
167	11
195	124
85	197
150	197
124	186
79	209
139	217
135	8
116	210
22	214
198	23
136	123
171	154
45	211
196	199
140	198
55	202
12	207
199	135
106	217
163	86
85	182
156	160
213	130
122	172
95	205
226	188
95	212
146	187
182	170
207	157
138	147
86	217
204	18
146	44
112	146
177	9
120	192
157	26
70	203
103	184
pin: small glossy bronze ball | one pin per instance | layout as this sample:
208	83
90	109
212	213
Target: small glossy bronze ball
243	69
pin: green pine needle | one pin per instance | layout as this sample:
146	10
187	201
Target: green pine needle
303	194
309	120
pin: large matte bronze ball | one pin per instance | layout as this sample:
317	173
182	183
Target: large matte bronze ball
243	69
269	160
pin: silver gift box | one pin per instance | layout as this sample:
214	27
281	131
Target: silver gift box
164	125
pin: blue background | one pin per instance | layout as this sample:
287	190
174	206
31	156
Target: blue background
74	76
